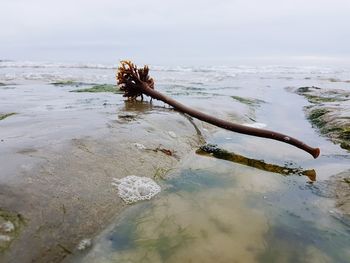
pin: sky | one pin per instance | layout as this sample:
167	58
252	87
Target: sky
181	32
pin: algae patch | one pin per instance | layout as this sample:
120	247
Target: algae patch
247	101
4	116
10	226
63	83
100	88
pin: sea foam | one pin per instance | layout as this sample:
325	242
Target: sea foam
136	188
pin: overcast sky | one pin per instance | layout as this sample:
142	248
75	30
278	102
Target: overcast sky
174	32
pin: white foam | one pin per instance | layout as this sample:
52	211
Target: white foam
139	146
84	244
7	227
136	188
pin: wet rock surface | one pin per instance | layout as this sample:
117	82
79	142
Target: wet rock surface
329	112
57	167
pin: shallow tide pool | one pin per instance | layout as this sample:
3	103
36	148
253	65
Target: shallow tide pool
215	210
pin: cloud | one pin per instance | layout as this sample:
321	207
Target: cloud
143	29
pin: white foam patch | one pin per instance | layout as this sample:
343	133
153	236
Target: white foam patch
84	244
139	146
136	188
7	226
255	125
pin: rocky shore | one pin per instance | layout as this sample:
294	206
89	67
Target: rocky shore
329	112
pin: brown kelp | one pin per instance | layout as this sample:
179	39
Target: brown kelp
136	81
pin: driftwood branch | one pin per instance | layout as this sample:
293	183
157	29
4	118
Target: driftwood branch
136	81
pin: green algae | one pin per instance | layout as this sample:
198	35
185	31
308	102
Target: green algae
345	145
326	116
161	173
347	180
339	133
165	244
100	88
316	96
62	83
4	116
247	101
345	133
322	99
316	117
16	221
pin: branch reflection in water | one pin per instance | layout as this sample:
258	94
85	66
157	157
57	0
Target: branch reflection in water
214	151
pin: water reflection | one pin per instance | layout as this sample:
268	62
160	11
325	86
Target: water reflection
213	151
205	216
196	222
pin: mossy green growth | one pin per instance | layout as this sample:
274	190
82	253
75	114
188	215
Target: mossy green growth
4	116
247	101
167	244
316	117
319	99
345	133
161	173
10	226
68	83
345	145
100	88
302	90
